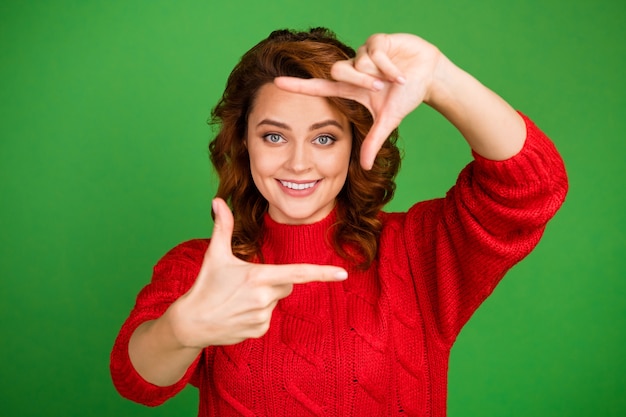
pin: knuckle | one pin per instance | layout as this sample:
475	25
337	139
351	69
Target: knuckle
262	299
265	327
258	318
374	38
377	54
299	274
336	70
261	329
255	274
361	61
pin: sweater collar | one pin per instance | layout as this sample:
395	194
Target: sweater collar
286	243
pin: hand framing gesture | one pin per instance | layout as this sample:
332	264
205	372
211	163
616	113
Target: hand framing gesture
390	75
232	300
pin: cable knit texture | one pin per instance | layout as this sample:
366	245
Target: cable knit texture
378	343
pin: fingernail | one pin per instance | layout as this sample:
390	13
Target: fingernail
401	80
214	205
378	85
341	275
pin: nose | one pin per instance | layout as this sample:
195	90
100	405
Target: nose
299	158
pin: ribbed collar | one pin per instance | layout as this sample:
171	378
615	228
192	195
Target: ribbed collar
310	243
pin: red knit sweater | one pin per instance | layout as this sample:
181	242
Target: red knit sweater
378	343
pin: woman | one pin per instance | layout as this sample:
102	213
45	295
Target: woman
309	300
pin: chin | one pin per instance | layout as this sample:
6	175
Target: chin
299	217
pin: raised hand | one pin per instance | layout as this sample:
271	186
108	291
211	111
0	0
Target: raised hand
232	300
390	75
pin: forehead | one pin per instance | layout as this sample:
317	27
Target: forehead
270	101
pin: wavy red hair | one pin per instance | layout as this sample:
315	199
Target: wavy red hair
309	54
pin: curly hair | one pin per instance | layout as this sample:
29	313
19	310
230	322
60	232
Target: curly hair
306	54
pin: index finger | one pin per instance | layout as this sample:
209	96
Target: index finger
299	274
317	87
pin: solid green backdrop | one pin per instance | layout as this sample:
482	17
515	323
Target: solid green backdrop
104	167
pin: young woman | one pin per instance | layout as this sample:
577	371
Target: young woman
308	299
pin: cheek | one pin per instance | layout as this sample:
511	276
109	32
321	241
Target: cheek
255	169
262	163
259	175
338	162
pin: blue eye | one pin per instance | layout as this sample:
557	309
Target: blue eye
324	140
273	138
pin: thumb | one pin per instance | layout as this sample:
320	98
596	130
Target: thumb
376	137
222	229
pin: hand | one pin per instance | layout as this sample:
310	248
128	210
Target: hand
390	75
232	300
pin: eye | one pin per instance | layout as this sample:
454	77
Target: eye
324	140
273	138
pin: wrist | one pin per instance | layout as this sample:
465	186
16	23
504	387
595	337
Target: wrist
157	355
445	85
172	329
492	128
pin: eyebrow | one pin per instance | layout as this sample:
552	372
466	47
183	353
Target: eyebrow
314	126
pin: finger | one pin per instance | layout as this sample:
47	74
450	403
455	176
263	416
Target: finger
222	229
377	48
386	66
280	275
363	63
325	88
345	71
376	137
318	87
257	316
262	296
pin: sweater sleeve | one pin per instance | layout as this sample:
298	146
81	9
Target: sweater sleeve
173	275
460	247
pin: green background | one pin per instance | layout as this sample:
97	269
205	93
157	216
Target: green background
104	167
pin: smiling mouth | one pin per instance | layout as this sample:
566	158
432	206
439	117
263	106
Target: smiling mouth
298	186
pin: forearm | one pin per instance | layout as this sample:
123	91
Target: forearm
490	125
157	355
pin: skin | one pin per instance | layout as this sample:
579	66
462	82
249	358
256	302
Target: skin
297	141
233	300
393	74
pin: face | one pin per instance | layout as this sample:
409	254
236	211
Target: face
299	149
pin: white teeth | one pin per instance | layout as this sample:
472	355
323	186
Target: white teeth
295	186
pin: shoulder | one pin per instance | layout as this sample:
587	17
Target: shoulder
188	255
423	209
189	249
392	221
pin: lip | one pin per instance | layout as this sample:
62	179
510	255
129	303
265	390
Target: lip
287	186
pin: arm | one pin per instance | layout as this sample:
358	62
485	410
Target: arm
461	246
173	275
393	74
492	128
213	299
157	354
